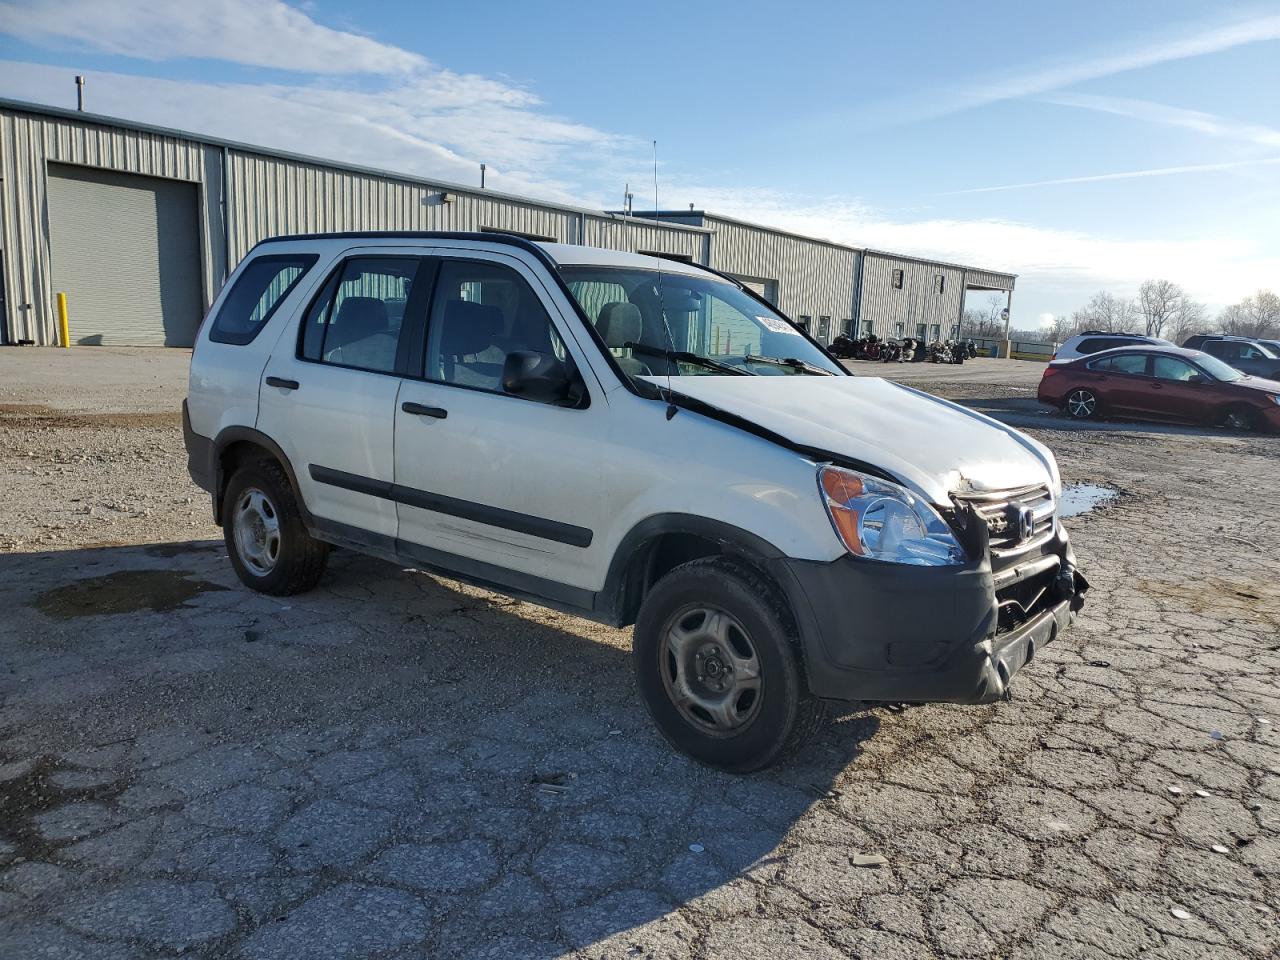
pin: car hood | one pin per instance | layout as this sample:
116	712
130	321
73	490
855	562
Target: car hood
1261	384
933	446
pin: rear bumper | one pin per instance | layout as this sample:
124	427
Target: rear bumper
201	461
880	632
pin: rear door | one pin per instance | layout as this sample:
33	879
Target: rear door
1121	382
328	393
496	486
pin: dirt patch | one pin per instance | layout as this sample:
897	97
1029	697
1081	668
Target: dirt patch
38	415
124	592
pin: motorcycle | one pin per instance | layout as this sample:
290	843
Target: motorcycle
939	352
844	347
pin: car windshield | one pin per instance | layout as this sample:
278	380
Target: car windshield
1217	369
674	324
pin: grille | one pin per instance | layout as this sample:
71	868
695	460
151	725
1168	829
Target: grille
1002	511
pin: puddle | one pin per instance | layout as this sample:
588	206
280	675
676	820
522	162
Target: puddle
1082	497
123	592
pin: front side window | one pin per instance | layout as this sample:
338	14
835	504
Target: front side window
678	324
259	290
480	312
356	321
1250	351
1217	369
1172	368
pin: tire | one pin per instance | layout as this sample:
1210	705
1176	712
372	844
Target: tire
721	618
1239	417
266	538
1081	404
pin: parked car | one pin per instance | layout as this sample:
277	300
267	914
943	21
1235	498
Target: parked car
571	426
1094	341
1161	383
1249	356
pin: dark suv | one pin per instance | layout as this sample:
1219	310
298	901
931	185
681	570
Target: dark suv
1246	355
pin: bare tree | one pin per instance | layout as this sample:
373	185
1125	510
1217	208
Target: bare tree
1158	302
1106	312
1191	318
1254	316
1061	328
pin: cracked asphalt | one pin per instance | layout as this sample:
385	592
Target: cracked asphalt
398	766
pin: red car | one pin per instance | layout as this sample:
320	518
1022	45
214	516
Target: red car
1161	383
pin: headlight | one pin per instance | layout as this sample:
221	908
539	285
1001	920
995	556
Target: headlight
1275	398
880	520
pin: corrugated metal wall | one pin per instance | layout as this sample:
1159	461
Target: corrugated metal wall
28	143
813	278
916	302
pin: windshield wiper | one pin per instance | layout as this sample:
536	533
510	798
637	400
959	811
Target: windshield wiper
792	362
681	356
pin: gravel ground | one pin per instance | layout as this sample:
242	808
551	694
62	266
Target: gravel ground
397	766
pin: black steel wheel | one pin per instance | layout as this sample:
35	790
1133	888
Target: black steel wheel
1239	417
716	661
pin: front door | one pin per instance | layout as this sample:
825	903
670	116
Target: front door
330	400
501	488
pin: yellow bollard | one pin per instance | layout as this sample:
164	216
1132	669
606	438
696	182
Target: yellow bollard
64	327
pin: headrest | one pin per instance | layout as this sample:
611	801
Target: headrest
357	318
468	328
620	324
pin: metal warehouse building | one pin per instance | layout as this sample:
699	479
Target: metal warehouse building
139	226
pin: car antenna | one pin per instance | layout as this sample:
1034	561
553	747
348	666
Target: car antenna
662	307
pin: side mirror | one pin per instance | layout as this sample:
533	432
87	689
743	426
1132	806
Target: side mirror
542	378
1196	378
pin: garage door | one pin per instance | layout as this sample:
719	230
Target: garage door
126	252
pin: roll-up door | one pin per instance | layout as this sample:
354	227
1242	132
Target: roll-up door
125	250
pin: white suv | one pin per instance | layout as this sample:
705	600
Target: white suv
1094	341
633	440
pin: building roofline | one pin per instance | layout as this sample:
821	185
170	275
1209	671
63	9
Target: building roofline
23	106
871	251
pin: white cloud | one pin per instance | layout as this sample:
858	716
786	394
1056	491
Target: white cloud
1030	82
434	123
1207	123
1057	269
1125	175
262	33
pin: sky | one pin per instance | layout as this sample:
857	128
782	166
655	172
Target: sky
1083	146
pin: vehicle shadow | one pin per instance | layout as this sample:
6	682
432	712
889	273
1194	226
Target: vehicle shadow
504	744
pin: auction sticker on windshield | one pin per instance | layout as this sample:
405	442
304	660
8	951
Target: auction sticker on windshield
778	326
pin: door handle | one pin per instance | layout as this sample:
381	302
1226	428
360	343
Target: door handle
282	383
1157	386
420	410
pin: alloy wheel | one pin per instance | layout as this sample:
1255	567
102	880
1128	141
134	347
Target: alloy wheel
1081	404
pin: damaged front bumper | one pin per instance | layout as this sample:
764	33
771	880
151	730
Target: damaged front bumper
877	632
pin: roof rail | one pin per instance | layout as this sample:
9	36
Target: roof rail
510	239
1111	333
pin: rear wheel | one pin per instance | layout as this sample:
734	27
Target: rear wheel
1239	417
1081	404
716	662
266	538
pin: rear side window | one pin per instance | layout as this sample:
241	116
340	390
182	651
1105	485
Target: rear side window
261	287
1133	363
356	320
1094	344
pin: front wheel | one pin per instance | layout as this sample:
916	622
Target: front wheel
1239	417
716	662
1081	404
266	538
